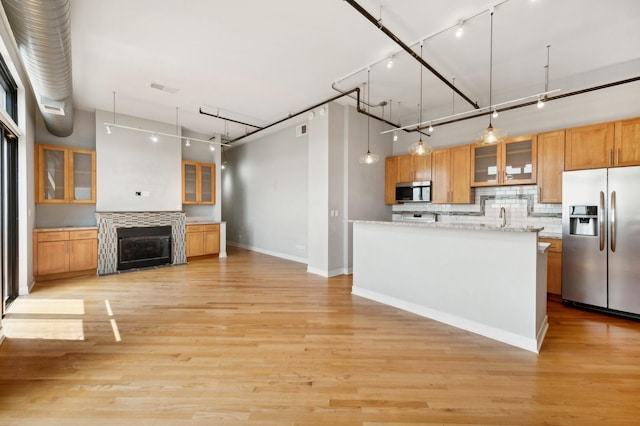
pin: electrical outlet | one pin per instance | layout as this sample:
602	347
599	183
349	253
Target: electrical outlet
138	194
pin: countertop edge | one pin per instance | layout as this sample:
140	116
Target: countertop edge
462	226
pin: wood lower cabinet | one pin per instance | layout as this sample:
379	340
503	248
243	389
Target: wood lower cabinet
550	166
203	240
451	172
65	253
554	266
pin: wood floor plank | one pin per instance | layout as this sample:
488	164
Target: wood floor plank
252	339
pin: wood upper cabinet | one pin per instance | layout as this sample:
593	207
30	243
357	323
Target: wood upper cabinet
511	162
65	175
413	168
198	183
627	142
589	147
390	179
405	168
550	166
450	169
60	252
203	239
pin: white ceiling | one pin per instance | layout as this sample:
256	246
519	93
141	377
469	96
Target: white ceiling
259	61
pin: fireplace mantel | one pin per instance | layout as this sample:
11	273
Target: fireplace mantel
108	222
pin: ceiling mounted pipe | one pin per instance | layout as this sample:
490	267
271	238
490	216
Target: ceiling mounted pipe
410	51
42	29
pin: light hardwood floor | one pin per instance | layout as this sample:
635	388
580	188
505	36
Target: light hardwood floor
253	339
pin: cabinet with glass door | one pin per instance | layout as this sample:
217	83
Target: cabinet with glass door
198	183
511	162
65	175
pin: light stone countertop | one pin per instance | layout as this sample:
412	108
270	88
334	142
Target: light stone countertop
65	228
543	247
467	226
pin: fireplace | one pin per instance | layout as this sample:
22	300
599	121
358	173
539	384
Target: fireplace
141	247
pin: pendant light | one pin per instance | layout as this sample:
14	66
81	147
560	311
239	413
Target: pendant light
369	158
420	147
491	135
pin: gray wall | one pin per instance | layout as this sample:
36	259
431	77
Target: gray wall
365	194
83	136
282	194
264	195
127	161
201	152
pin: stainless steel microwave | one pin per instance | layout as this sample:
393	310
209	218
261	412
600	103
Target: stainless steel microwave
413	192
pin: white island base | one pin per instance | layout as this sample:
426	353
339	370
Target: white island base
490	281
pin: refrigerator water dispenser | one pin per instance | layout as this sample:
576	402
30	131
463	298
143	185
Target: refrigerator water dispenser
583	220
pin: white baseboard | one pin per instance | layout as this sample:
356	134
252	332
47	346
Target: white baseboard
268	252
523	342
327	273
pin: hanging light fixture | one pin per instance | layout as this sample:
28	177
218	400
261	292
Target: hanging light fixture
420	147
541	99
491	135
460	29
369	158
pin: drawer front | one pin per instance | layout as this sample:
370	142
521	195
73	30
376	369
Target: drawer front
556	245
53	236
211	227
85	234
194	228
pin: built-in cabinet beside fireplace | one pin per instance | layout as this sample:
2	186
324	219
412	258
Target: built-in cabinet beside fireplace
64	252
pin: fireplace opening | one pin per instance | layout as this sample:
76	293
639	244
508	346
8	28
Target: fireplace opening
141	247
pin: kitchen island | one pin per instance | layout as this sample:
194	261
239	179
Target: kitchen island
487	280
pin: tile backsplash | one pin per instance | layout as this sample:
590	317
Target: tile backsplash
520	203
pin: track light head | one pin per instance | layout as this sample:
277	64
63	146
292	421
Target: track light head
460	29
212	148
395	136
430	128
187	143
495	113
540	103
153	137
390	62
108	129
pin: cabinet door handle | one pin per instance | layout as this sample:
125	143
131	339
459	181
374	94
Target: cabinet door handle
611	157
618	156
539	194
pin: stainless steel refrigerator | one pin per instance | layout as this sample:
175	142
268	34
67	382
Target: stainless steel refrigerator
601	238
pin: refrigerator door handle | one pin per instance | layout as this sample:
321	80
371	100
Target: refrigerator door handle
612	215
601	220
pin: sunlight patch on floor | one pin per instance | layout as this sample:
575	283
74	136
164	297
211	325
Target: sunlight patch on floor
52	329
47	306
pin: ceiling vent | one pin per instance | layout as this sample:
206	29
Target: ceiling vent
301	130
163	88
51	106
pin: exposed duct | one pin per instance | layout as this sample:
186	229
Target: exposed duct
42	29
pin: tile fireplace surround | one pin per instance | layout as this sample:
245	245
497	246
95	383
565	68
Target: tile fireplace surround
108	239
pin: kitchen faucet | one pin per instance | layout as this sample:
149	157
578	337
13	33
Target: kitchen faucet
503	216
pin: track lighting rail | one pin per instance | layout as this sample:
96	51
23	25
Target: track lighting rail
110	126
228	119
408	49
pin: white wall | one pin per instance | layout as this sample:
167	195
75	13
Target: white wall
26	123
264	195
127	162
